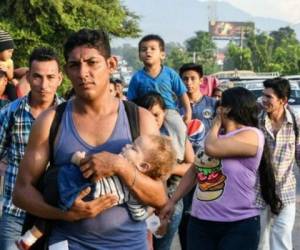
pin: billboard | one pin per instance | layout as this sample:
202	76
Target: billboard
230	30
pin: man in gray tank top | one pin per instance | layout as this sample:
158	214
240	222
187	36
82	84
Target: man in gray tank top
97	123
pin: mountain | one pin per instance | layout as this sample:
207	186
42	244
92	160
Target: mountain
296	27
178	20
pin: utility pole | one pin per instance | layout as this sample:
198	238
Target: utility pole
241	46
212	11
242	37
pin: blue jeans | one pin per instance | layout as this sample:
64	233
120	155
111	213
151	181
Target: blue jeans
165	242
276	230
10	231
211	235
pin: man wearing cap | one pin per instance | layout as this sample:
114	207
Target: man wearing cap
6	51
16	118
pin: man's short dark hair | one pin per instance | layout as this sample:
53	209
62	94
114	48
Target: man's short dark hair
280	86
97	39
119	81
43	55
153	37
191	66
151	99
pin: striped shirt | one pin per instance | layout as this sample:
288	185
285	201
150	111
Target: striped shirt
284	150
14	134
114	185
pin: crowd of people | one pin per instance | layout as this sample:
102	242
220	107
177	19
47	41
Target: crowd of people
91	171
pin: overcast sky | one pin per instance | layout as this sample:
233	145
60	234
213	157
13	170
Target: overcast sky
288	10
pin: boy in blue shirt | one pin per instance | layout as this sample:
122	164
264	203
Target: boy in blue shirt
203	107
164	80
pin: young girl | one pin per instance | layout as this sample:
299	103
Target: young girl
231	221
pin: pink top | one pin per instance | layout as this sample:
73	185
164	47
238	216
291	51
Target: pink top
208	84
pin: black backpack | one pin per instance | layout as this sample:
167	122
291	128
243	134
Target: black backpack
133	119
295	127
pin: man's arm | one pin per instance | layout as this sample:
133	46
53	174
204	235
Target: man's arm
186	184
149	191
33	166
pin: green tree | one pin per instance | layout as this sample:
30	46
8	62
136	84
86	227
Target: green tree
35	23
261	46
176	55
238	58
287	55
277	51
130	54
283	34
286	50
203	48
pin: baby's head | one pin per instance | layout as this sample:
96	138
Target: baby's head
6	46
153	155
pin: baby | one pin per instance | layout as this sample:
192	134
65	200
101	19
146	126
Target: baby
152	155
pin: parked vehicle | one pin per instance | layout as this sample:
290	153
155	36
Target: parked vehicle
256	87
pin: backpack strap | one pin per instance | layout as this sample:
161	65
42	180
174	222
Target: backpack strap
54	129
295	127
132	111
